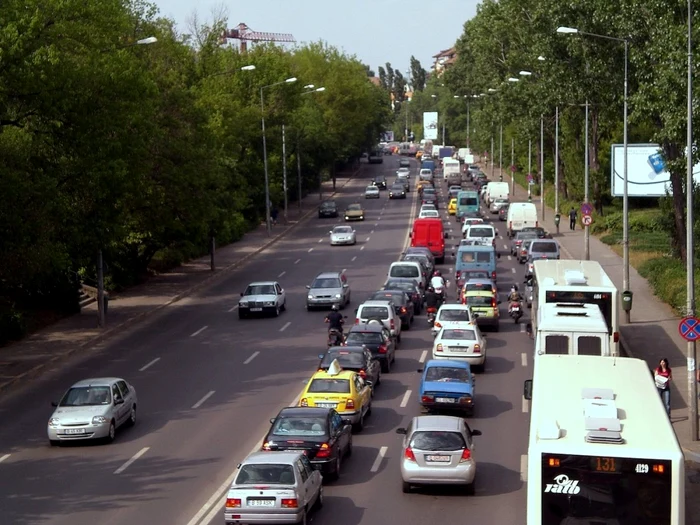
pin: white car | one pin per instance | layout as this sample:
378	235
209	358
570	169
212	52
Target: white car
470	221
485	234
452	316
262	297
458	344
427	207
429	214
425	174
343	235
406	172
371	192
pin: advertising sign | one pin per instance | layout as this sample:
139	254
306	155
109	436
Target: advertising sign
387	136
430	125
646	171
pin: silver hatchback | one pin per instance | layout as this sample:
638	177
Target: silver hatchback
328	289
438	450
93	409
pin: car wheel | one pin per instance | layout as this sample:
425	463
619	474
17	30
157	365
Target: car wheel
132	416
319	499
369	409
348	452
111	433
54	442
386	366
405	487
336	469
360	425
303	521
471	488
277	311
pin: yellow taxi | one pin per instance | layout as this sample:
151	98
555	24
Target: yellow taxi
344	390
484	305
423	184
419	154
452	206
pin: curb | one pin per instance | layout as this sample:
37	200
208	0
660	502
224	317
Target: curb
219	275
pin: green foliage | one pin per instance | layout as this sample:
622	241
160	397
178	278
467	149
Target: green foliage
146	151
667	277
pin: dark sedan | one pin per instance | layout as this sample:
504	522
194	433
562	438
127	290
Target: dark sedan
328	209
379	341
503	214
357	358
409	287
540	232
319	432
403	305
397	191
380	182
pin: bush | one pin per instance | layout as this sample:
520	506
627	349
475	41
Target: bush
666	276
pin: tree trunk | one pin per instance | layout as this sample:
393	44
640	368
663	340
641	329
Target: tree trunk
671	152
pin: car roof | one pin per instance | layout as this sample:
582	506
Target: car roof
272	457
324	374
96	381
447	363
324	275
449	423
479	293
480	280
349	348
303	411
367	327
262	283
328	203
389	292
376	302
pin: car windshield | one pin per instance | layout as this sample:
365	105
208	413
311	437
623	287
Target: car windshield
460	335
268	474
371	189
354	207
404	270
479	300
342	229
445	374
328	205
364	338
526	244
379	179
346	359
434	441
473	221
453	314
525	235
260	289
380	312
328	282
299	426
537	231
397	187
501	201
544	247
86	396
331	386
429	190
430	213
480	232
470	257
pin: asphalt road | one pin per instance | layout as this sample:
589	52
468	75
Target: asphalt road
208	383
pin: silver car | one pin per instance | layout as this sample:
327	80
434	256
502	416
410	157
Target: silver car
328	289
274	487
371	192
263	297
93	409
343	235
496	205
438	450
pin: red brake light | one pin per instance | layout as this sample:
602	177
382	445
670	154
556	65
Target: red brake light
403	309
466	455
408	454
437	325
382	349
232	503
266	446
493	303
616	337
349	404
392	324
357	320
427	399
477	349
303	402
324	451
493	275
289	503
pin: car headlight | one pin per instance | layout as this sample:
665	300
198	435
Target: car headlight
99	420
310	296
53	422
346	217
337	296
269	303
243	304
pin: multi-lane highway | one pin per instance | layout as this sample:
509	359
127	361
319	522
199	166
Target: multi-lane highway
208	383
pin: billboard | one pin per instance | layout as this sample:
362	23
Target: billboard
646	171
430	125
387	136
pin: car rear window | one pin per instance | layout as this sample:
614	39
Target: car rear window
395	298
480	232
462	335
478	287
299	426
480	256
326	283
453	314
445	374
544	247
404	270
468	201
364	338
332	386
478	300
269	474
381	312
345	359
434	441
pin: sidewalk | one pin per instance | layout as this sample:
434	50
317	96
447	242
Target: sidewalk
653	331
40	351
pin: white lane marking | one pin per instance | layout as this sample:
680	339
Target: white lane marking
131	460
3	458
423	356
378	461
362	248
404	400
320	241
280	275
252	356
310	250
379	218
199	331
526	406
449	270
353	259
201	401
371	233
523	467
345	270
285	326
375	225
149	364
522	328
233	309
510	258
297	261
513	270
500	237
523	359
368	238
505	246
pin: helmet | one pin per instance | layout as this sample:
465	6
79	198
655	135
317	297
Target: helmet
514	288
431	289
335	308
437	273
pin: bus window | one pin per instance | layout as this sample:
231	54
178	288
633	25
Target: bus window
589	345
556	344
467	257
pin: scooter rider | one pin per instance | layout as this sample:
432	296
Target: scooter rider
514	295
432	299
335	319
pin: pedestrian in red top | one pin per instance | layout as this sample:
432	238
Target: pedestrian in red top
662	378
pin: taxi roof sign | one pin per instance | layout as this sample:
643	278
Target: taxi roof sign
335	368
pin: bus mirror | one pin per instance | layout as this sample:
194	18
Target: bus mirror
527	389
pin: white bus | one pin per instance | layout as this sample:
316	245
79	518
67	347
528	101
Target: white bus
581	282
602	449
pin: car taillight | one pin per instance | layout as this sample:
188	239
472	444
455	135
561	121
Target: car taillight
466	455
437	325
438	348
616	337
493	303
493	275
476	349
303	402
403	310
493	242
458	274
266	446
382	349
349	403
427	399
324	451
289	503
357	320
232	503
408	454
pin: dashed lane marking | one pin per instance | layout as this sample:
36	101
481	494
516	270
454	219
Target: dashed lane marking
378	461
201	401
280	275
513	270
149	364
526	406
404	400
297	261
233	309
131	460
523	467
285	326
353	259
3	458
199	331
252	356
362	248
510	258
523	359
310	250
423	355
522	330
320	241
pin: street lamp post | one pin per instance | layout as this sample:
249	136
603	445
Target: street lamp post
556	163
267	178
586	229
625	194
500	154
542	165
512	166
529	169
492	155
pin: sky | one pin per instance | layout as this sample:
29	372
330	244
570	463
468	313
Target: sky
375	31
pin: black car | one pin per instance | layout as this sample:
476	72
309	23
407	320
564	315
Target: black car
357	358
423	250
409	287
541	233
397	191
328	209
319	432
403	305
380	182
427	263
378	339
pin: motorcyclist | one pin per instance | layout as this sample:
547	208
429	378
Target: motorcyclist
335	319
529	280
514	296
432	299
438	281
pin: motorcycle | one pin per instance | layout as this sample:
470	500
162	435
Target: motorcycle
335	337
515	311
432	313
440	286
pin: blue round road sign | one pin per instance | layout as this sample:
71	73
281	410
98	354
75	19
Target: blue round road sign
586	208
689	328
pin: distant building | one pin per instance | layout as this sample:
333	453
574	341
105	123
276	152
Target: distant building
443	60
375	81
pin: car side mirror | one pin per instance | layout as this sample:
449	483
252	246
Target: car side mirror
476	433
308	287
241	294
420	370
320	356
118	401
331	231
527	389
272	420
346	286
401	431
54	403
369	383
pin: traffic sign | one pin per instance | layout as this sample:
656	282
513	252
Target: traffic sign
513	168
689	328
586	208
587	220
529	178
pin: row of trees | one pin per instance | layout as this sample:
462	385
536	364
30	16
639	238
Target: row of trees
510	36
145	151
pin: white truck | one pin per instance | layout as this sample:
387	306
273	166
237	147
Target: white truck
451	169
571	328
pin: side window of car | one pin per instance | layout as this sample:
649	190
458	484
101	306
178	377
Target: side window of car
302	470
279	289
307	466
123	388
337	421
116	394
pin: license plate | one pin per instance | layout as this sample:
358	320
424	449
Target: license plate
270	502
516	308
438	459
256	309
75	431
445	400
326	405
458	349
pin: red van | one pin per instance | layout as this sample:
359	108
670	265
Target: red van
430	233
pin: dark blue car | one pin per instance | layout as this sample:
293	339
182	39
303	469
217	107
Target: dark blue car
447	385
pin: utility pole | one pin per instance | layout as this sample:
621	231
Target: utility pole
500	154
512	166
468	129
529	169
101	314
443	131
556	163
542	165
284	175
586	229
492	156
299	170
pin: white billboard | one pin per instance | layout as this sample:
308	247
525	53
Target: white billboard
646	171
430	125
387	136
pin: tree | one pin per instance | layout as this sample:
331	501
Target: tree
418	75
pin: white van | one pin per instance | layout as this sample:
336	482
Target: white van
571	328
451	169
463	153
436	151
408	270
496	190
521	215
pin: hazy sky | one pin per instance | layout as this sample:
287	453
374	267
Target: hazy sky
376	31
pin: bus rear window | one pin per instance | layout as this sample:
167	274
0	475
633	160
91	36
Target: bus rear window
556	344
468	201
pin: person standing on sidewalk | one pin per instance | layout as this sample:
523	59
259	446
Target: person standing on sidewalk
573	215
662	378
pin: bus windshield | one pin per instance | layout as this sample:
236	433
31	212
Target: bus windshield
602	299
